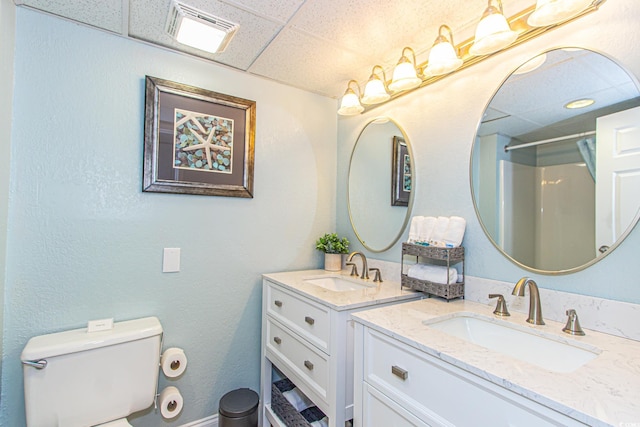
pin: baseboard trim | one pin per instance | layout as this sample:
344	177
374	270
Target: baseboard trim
211	421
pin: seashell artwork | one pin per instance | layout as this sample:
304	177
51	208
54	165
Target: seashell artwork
202	142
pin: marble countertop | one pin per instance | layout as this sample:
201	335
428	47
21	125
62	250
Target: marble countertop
373	294
603	392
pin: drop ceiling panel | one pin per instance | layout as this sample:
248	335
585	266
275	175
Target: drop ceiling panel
105	14
380	29
255	32
279	10
287	60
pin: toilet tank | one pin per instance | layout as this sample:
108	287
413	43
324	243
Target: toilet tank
92	377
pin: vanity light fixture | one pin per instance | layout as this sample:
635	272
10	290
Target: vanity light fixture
550	12
493	32
405	75
580	103
443	57
532	64
375	90
199	29
350	104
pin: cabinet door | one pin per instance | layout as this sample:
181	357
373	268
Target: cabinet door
380	411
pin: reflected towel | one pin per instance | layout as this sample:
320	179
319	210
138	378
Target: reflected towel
433	273
322	423
455	232
297	399
587	148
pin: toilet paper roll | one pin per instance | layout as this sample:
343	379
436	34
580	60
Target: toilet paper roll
173	362
170	402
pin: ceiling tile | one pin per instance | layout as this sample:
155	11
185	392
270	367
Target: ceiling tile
287	60
280	10
251	38
105	14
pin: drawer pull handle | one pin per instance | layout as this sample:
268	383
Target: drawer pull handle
277	340
278	303
399	372
308	365
309	320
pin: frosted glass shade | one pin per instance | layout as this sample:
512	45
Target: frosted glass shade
549	12
492	34
374	91
404	77
442	59
350	104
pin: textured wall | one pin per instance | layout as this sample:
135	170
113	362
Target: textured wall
441	120
7	30
85	243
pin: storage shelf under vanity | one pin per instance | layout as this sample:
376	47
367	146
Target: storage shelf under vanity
439	256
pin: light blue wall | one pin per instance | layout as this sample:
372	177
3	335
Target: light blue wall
85	243
7	31
441	121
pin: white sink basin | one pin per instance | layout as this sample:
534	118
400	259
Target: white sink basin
338	283
524	343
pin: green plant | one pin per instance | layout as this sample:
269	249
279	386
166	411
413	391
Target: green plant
330	243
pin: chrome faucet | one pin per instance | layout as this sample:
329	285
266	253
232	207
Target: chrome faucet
535	310
365	267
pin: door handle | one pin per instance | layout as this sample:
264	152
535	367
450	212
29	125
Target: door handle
309	320
278	303
399	372
308	365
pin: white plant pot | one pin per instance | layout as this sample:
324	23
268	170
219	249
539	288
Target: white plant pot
333	262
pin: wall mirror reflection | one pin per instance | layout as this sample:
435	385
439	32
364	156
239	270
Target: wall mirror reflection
379	190
555	167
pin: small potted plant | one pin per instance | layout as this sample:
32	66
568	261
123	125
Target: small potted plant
334	248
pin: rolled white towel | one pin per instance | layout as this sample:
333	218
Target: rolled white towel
455	232
426	228
297	399
437	235
414	229
433	273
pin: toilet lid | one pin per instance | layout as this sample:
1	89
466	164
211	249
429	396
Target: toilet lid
122	422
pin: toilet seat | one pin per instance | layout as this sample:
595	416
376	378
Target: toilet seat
122	422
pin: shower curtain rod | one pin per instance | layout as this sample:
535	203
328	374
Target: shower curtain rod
547	141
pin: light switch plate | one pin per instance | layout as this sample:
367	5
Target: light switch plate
171	260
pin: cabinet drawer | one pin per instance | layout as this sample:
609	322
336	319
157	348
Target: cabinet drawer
379	410
443	395
303	317
305	362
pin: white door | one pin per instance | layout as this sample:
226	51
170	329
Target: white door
617	174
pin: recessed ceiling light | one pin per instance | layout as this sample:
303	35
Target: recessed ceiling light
579	103
199	29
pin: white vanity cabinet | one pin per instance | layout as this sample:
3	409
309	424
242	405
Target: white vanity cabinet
307	335
399	385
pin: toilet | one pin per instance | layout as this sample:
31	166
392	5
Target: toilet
78	378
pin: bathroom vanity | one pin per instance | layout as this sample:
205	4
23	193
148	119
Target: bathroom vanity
307	335
417	365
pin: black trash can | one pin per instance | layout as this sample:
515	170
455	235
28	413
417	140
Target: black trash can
239	408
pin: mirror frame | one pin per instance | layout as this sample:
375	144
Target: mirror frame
407	217
598	258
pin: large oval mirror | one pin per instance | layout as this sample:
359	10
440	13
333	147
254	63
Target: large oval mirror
555	167
379	192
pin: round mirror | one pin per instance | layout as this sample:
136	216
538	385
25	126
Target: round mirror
379	192
555	167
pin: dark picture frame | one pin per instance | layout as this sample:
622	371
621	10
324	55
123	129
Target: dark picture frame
197	141
401	181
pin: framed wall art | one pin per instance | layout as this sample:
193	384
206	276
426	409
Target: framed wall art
197	141
401	173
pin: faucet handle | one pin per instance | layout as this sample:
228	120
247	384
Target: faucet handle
573	325
354	268
378	276
501	307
